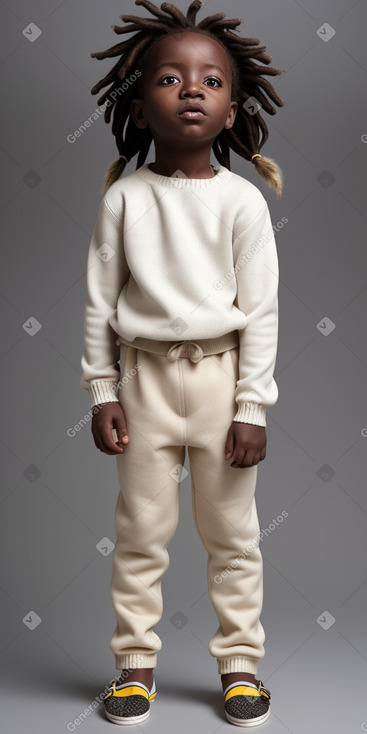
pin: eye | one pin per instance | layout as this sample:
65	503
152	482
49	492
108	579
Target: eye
172	76
168	76
213	78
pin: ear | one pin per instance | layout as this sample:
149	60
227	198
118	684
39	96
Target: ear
231	115
137	113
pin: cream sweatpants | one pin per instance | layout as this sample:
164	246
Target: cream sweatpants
169	405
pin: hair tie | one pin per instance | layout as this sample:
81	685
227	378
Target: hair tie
124	156
256	155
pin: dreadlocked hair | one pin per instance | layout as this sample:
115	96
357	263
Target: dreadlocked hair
247	81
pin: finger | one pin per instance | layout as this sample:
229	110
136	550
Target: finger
109	446
237	459
98	441
229	447
255	458
241	465
249	459
121	431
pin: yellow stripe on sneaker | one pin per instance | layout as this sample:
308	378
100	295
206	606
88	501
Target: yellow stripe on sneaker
131	691
241	691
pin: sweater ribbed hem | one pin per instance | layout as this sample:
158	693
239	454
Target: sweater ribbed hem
135	660
102	391
237	665
184	183
209	346
251	413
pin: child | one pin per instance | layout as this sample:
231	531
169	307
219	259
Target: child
182	287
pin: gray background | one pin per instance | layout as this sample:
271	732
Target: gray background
58	494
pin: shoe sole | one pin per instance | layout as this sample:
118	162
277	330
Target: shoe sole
248	722
127	720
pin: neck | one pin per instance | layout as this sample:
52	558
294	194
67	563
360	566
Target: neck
190	165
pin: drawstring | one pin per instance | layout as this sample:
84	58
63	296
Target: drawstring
194	351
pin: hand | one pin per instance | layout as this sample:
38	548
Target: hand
109	416
245	444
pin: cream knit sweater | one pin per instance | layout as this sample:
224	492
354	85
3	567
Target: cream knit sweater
195	253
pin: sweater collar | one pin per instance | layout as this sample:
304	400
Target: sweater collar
223	174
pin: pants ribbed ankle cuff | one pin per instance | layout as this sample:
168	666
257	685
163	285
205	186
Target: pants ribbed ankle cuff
135	660
237	665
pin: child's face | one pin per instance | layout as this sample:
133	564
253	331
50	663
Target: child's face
180	69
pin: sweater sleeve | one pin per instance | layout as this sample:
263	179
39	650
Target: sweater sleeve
107	272
257	273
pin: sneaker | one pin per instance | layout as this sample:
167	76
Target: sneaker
246	704
128	703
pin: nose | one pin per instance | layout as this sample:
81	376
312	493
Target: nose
193	93
192	89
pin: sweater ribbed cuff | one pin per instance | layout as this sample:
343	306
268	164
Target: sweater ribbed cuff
237	664
135	660
251	413
103	391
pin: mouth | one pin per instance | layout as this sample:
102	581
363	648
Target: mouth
192	115
192	112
